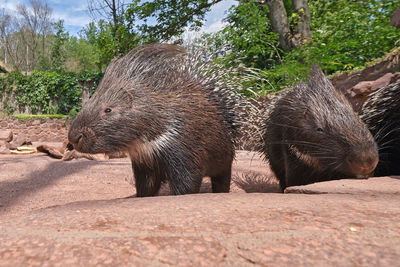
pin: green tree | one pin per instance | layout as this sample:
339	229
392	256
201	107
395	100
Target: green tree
348	34
249	36
345	34
101	36
174	16
112	11
82	56
57	50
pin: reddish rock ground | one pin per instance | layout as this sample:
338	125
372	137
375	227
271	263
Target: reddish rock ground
79	213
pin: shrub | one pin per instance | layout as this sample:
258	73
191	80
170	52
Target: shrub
45	92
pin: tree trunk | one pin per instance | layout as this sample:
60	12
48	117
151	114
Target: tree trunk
302	29
395	18
279	22
115	18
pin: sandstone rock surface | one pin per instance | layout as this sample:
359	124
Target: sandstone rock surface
360	92
43	130
79	213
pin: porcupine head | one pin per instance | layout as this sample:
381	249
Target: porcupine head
316	127
122	110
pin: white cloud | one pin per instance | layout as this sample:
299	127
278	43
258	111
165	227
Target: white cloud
218	11
9	6
212	21
214	27
77	19
189	36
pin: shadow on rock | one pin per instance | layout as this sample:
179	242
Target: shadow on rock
166	191
11	191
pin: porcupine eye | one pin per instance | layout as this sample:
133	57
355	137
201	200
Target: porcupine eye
107	110
320	130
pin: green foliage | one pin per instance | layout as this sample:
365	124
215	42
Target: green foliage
46	92
100	37
58	54
44	63
29	117
248	40
125	40
107	45
2	69
8	107
348	34
73	112
82	56
172	16
250	37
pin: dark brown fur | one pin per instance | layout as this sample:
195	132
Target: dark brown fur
157	104
381	113
313	135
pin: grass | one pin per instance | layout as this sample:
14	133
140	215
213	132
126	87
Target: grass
27	117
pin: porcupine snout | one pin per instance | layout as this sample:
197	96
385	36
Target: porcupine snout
362	164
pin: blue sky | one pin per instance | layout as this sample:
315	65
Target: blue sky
75	14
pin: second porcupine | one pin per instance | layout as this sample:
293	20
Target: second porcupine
313	135
176	122
381	113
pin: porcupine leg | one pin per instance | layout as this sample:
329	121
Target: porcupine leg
185	183
278	165
179	169
280	174
184	180
146	181
221	183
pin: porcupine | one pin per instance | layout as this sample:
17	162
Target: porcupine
170	112
312	134
381	114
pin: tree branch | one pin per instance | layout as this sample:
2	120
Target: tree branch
183	21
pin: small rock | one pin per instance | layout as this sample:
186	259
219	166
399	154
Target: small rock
4	150
4	144
374	185
362	88
55	152
6	135
360	92
21	140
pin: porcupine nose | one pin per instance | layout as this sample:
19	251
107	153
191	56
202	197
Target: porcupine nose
74	138
363	166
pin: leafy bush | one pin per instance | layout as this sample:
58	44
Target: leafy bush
45	92
346	36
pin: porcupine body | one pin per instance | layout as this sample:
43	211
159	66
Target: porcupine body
312	135
381	114
169	112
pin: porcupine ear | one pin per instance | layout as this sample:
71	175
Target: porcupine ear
128	97
318	80
122	95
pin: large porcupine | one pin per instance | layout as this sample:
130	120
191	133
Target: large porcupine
381	114
312	135
170	112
